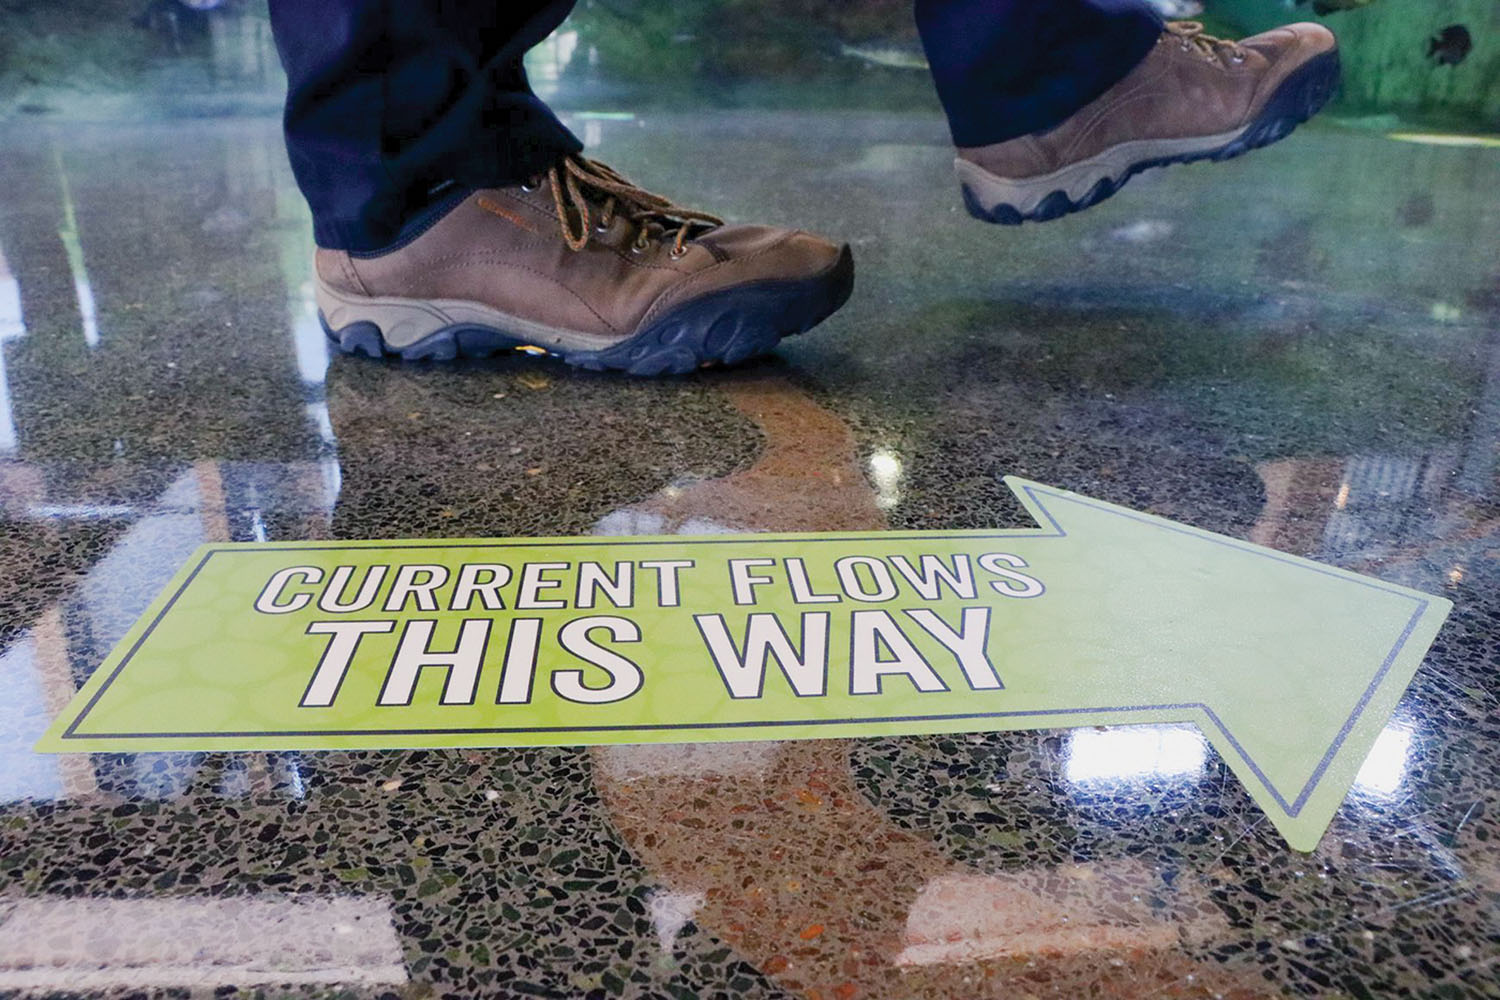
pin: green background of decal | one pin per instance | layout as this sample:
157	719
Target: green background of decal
1138	611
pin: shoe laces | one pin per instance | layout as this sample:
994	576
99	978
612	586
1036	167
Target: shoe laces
577	183
1190	35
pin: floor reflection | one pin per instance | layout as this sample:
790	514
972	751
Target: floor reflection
1302	353
773	848
1104	757
115	944
12	327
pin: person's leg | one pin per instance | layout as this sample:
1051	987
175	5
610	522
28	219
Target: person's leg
455	216
389	100
1007	68
1054	104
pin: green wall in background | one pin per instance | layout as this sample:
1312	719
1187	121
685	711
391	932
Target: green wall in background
731	43
837	53
1385	48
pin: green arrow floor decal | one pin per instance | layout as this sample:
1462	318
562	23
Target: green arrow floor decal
1100	616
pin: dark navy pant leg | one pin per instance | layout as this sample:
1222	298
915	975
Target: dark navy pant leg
1008	68
389	100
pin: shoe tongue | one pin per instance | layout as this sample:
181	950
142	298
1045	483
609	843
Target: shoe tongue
657	220
657	224
598	197
654	227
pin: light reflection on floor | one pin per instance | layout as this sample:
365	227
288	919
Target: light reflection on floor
1141	753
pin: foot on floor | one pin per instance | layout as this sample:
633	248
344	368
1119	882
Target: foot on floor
582	264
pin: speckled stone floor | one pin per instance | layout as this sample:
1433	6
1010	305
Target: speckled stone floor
1301	348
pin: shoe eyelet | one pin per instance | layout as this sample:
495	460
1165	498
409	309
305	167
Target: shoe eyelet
637	248
603	227
677	254
1237	58
531	184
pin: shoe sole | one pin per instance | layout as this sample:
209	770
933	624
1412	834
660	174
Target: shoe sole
725	328
1085	184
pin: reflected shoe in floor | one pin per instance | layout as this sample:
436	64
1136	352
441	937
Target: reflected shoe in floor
1194	97
585	265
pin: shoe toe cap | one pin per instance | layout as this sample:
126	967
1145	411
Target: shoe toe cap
1301	41
1314	39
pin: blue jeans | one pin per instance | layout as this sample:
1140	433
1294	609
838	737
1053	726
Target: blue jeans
391	101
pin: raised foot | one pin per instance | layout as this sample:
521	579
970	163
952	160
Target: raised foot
1302	95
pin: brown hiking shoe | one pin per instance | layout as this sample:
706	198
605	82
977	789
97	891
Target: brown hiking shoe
1194	97
585	265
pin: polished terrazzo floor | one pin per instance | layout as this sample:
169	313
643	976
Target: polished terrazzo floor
1301	348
